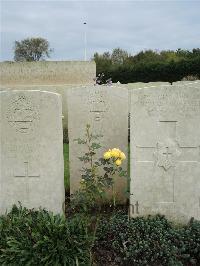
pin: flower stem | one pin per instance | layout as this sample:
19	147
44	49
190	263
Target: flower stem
113	195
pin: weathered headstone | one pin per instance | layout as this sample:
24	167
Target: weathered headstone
105	108
31	150
165	152
60	89
139	85
186	82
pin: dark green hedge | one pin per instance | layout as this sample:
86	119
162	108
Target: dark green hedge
148	241
160	71
29	237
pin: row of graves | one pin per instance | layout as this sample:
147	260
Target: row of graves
164	145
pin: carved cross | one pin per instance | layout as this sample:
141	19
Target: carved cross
171	154
27	177
167	153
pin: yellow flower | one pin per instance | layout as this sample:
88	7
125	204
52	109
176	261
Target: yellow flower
122	156
115	153
118	162
107	155
82	182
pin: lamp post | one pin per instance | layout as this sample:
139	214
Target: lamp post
85	42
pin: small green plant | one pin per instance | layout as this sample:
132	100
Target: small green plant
30	237
97	174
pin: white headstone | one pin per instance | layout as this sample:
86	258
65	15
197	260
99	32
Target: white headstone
186	82
105	109
31	150
165	152
139	85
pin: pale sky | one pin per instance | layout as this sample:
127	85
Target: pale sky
130	25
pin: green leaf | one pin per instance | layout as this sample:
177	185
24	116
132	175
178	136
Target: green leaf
80	141
95	145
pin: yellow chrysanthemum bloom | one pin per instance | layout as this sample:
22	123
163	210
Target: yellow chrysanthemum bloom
122	156
118	162
107	155
115	153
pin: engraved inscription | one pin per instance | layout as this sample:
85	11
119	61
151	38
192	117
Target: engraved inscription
21	114
167	103
135	208
97	104
22	148
98	115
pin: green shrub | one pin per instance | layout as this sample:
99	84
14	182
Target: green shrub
148	241
188	242
190	78
29	237
138	241
149	65
65	135
153	71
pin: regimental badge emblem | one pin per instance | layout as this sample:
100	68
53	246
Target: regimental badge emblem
22	114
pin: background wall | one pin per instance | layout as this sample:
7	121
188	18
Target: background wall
47	72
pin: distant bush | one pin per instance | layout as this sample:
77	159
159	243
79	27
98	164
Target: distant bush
29	237
160	71
149	65
65	135
191	78
148	241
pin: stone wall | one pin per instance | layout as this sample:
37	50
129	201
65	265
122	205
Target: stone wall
47	72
